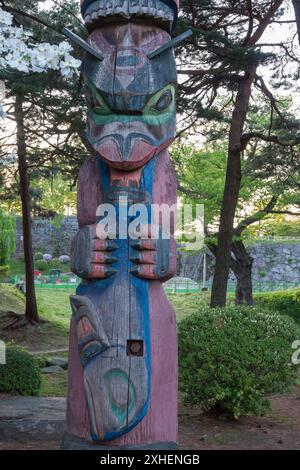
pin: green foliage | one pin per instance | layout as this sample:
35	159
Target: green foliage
41	265
277	227
231	358
56	264
7	237
201	171
54	195
45	266
190	163
38	256
21	373
286	302
201	178
57	220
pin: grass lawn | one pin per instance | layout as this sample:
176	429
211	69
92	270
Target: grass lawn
17	268
54	309
186	304
54	385
11	299
54	306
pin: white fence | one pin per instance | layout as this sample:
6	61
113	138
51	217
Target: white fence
181	284
274	238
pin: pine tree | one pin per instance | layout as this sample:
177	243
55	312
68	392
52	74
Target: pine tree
224	54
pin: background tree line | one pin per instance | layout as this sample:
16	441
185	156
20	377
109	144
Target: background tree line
237	149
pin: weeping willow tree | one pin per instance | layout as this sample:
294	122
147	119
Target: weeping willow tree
7	237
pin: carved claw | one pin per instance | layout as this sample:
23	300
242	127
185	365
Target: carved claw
91	257
154	259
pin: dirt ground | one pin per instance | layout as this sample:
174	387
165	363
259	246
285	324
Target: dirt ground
41	337
277	430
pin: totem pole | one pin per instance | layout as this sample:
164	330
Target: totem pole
123	346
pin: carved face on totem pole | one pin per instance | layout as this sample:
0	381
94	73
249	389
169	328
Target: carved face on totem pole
130	97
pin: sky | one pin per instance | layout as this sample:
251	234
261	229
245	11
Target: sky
272	35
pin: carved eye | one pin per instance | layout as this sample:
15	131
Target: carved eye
164	101
95	101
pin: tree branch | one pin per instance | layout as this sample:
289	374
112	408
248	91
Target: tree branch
255	217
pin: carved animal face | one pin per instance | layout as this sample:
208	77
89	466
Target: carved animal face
131	99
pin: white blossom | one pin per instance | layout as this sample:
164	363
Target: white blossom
17	53
64	47
5	18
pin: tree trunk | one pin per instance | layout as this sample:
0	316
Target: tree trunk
231	190
241	264
31	312
296	4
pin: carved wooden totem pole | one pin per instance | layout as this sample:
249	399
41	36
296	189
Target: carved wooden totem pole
123	345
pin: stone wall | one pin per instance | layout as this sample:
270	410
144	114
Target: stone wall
48	238
276	262
273	263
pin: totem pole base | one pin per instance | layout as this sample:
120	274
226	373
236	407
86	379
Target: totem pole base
70	442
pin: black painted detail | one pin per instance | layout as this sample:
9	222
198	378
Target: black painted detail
135	347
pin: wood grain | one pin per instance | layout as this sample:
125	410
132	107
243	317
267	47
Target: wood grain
123	343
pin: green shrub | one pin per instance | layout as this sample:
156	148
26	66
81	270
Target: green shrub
41	265
56	264
7	237
286	302
44	266
38	255
4	273
231	358
4	270
21	374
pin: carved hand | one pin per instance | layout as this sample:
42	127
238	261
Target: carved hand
91	257
153	258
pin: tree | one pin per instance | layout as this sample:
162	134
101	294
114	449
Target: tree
31	312
54	117
269	184
37	58
228	43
